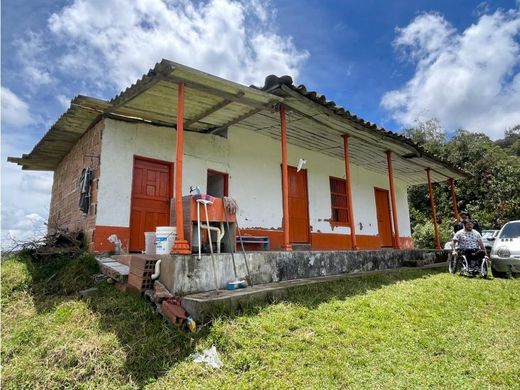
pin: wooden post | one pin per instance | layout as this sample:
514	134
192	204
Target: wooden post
434	212
286	245
349	192
181	246
397	244
454	200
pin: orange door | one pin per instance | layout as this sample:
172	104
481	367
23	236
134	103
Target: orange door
151	192
298	206
384	223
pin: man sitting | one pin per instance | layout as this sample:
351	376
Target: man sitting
470	243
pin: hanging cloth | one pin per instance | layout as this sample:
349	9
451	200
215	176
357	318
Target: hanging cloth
85	186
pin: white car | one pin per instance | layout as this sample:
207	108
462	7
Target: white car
488	237
505	254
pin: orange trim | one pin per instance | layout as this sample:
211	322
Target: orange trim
349	192
406	242
101	234
325	241
454	200
434	212
181	246
286	246
397	244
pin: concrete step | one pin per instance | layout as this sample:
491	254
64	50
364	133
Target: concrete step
207	305
113	269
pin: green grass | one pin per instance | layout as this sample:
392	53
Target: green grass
409	329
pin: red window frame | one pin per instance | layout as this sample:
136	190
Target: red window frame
224	175
340	213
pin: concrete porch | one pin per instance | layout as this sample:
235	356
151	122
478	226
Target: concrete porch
186	274
273	274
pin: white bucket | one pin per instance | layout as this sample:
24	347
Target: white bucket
164	239
149	243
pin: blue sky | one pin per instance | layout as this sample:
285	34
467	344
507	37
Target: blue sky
391	63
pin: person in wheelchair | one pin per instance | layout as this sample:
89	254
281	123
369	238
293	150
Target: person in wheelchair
469	242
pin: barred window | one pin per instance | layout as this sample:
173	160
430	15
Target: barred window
338	200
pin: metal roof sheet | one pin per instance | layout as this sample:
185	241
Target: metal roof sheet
213	104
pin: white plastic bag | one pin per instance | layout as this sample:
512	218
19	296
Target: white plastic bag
209	356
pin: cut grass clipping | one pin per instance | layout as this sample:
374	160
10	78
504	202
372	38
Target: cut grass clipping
408	329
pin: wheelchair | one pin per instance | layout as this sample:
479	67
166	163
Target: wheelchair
469	262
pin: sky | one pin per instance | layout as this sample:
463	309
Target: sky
390	62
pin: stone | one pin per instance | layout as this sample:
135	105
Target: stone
88	292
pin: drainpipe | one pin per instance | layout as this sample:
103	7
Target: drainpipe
157	272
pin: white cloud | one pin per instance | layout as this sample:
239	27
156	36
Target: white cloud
31	53
467	80
117	41
14	110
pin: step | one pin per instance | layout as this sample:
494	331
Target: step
113	269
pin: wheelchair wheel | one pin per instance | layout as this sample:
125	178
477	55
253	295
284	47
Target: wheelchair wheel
453	264
465	266
484	269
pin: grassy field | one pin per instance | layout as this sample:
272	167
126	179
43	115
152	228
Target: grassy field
410	329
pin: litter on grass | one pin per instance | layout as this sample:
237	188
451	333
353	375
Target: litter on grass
209	356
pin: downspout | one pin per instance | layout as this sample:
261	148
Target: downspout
157	272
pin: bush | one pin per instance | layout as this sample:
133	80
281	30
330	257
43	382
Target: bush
423	234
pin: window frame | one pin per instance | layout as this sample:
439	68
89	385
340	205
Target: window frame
334	222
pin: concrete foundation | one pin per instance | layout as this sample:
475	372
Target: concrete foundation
184	275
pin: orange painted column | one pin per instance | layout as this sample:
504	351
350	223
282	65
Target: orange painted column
181	246
286	245
349	192
397	245
454	200
434	212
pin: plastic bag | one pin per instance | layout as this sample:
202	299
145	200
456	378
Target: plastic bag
209	356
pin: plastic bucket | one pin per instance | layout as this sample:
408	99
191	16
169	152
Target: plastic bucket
149	243
164	239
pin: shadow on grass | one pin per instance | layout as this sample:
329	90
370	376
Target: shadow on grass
312	295
151	346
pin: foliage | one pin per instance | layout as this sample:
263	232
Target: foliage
374	331
492	191
423	234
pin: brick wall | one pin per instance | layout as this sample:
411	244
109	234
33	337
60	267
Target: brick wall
64	210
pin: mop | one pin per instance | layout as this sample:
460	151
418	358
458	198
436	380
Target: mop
231	205
237	283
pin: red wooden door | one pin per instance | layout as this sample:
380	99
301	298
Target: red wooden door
151	192
384	222
298	206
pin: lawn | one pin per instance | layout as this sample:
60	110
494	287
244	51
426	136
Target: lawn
408	329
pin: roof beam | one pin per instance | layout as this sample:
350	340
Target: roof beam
234	121
210	111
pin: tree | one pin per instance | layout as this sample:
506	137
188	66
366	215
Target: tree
491	192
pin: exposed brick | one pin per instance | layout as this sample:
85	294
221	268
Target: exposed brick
64	210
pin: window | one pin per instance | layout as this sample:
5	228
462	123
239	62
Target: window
338	200
217	184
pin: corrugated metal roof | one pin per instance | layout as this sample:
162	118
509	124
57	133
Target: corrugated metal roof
60	138
212	104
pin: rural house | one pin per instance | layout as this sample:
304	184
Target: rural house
306	173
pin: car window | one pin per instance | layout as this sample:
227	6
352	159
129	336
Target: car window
511	230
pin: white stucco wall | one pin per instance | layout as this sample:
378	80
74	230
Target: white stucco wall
253	164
